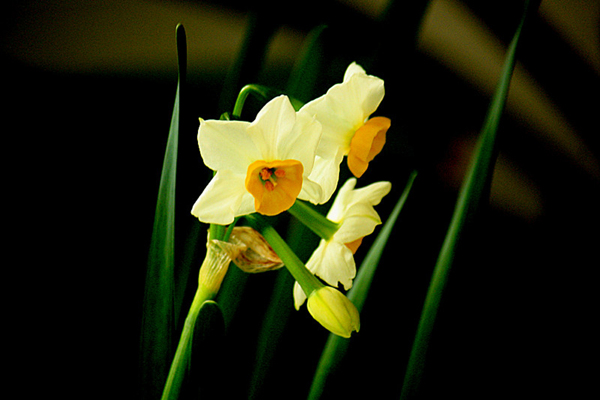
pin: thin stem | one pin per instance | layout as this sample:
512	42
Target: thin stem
178	366
305	278
243	95
213	269
316	222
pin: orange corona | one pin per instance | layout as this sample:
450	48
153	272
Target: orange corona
275	185
367	142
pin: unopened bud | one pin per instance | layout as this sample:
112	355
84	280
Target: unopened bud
334	311
256	254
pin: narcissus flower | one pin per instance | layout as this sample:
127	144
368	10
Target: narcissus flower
261	166
353	209
344	113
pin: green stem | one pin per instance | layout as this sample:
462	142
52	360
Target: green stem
180	361
221	232
243	95
316	222
207	289
216	232
305	278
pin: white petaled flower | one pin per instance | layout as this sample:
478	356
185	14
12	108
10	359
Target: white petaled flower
353	209
261	166
344	113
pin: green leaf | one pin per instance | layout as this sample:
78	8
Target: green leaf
158	314
336	347
474	190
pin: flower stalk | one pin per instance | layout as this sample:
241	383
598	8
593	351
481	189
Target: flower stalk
316	222
327	305
178	366
243	95
301	274
212	272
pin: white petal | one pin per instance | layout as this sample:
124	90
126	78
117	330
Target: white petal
223	199
273	124
226	145
326	173
342	199
334	263
352	69
311	191
368	91
301	143
354	228
372	194
354	207
339	120
299	296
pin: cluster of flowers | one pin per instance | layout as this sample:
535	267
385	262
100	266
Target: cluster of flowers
287	155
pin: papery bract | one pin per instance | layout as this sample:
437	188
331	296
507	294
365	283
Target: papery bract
353	209
256	255
260	166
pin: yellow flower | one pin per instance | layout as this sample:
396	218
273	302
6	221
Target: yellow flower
261	166
344	113
353	209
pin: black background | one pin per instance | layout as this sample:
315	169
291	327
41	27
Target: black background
83	154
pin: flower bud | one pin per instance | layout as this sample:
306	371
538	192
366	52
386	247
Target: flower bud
334	311
257	255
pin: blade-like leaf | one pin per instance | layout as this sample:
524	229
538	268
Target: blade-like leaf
472	193
158	313
336	346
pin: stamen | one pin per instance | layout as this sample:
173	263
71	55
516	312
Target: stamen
265	174
279	173
270	186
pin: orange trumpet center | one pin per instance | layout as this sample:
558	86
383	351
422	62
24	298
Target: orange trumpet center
275	185
354	245
366	143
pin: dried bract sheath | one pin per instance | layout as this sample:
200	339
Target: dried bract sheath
258	255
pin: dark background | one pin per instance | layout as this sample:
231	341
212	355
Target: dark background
89	89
